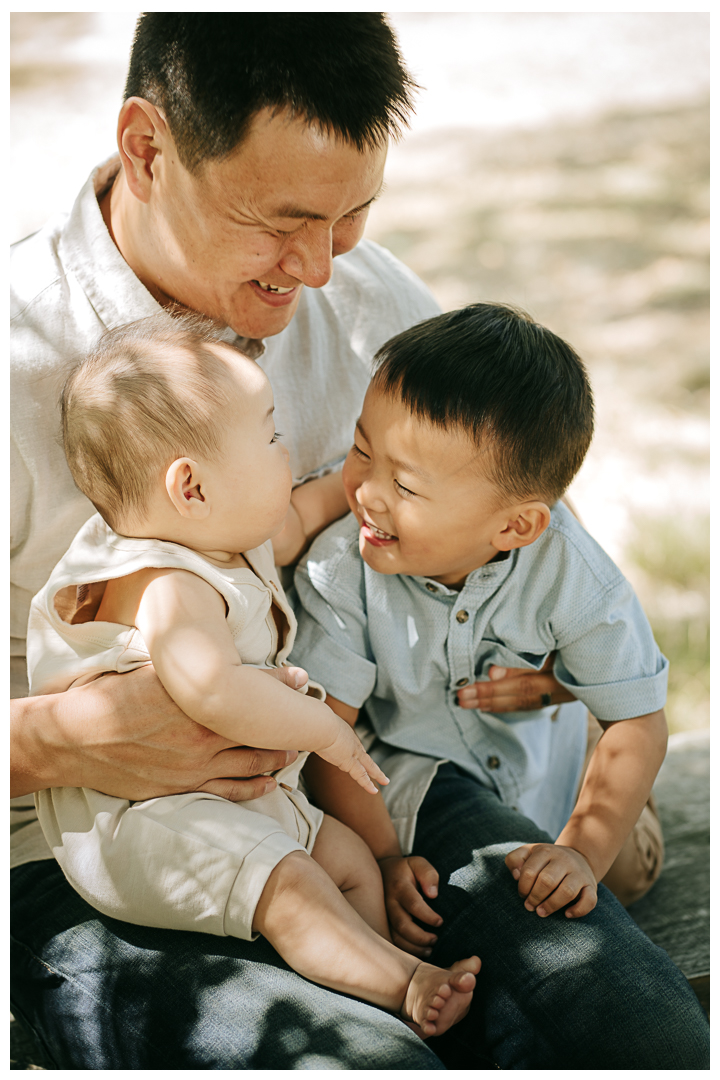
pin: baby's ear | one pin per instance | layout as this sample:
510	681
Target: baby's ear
184	487
525	523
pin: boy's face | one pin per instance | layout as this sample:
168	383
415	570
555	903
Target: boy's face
420	494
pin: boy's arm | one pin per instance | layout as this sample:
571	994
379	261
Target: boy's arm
313	506
182	620
616	787
404	879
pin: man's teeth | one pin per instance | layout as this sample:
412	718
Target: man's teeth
274	288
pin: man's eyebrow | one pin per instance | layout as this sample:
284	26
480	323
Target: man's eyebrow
297	212
404	465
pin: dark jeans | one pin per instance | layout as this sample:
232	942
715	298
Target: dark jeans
554	993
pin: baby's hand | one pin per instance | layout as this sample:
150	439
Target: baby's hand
550	876
404	881
347	753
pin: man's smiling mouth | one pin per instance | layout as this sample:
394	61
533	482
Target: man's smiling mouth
266	287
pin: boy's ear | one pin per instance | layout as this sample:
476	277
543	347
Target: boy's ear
182	483
524	524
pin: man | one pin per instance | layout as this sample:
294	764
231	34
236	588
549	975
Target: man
251	147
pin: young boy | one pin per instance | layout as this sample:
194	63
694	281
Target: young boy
170	433
457	556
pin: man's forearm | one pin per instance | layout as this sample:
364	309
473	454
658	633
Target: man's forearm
31	761
616	787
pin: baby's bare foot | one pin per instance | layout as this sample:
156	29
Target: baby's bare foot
437	997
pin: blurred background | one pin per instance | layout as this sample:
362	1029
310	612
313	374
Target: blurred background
558	161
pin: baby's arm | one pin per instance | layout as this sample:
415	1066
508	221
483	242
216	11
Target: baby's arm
617	785
182	620
404	879
313	506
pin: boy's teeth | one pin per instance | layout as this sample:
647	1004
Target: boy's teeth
380	533
273	288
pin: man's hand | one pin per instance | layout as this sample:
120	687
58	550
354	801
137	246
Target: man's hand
550	876
405	879
515	689
124	735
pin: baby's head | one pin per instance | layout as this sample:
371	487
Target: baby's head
169	432
474	424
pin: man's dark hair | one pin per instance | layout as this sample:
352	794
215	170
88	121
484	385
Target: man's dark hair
211	72
519	391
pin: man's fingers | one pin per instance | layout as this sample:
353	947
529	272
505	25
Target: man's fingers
235	790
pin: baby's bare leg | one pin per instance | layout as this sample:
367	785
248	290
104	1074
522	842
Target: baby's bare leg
305	917
347	859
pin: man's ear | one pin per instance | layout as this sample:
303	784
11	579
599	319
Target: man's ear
141	131
183	485
523	525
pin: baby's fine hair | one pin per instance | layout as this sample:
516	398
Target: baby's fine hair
520	392
149	392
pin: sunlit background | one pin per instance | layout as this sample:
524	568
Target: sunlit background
558	161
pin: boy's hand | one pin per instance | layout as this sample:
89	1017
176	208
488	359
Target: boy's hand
404	880
347	753
550	876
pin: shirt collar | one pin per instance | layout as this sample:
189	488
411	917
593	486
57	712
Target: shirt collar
490	575
115	292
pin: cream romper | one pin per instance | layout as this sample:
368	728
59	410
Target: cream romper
182	862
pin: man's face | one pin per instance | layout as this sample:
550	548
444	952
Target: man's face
238	240
419	493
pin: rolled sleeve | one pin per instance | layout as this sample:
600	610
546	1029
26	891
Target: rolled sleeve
331	642
612	663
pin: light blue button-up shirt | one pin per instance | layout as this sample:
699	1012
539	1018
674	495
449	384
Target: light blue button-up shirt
402	647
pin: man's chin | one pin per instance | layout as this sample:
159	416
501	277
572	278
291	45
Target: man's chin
260	320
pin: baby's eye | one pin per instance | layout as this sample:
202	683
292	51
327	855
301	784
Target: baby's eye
360	453
405	492
276	436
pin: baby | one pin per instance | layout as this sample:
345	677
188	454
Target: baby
169	432
458	556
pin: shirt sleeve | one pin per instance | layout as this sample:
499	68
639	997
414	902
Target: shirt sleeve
610	661
332	641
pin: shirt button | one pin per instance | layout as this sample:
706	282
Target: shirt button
430	587
493	762
462	616
462	682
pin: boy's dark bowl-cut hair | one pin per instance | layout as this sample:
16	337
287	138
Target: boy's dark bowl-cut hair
211	72
519	391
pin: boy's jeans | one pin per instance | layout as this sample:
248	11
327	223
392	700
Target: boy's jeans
554	993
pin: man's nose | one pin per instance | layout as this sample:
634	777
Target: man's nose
309	255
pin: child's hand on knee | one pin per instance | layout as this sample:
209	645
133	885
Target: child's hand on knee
404	881
550	876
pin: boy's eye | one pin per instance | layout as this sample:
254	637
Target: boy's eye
360	453
405	492
276	436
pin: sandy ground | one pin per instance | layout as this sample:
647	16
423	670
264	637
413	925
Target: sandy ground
578	190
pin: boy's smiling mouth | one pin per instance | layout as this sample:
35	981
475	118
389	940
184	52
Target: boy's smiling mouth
376	536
